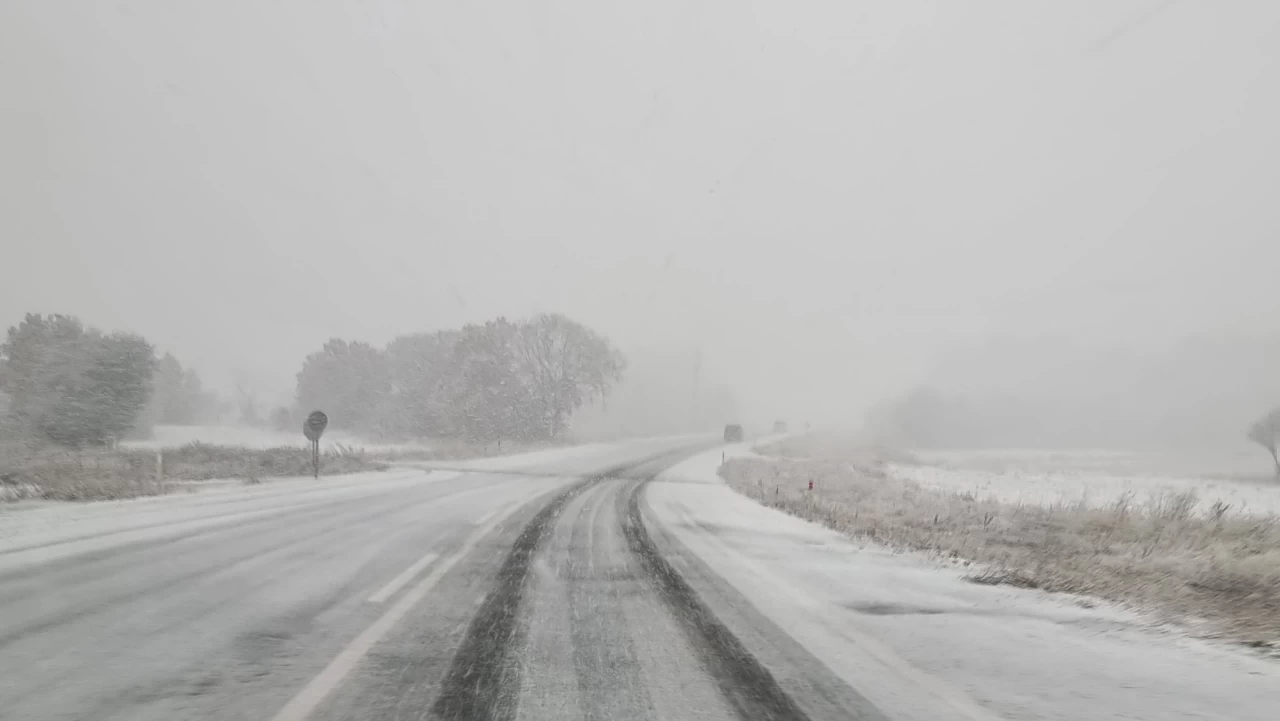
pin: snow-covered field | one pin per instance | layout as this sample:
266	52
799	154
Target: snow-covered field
244	437
1099	478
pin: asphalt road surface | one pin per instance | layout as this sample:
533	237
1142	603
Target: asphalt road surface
569	584
413	595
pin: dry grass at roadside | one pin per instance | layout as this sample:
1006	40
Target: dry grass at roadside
93	475
1214	572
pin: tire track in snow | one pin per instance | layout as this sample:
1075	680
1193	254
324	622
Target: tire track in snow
481	683
746	685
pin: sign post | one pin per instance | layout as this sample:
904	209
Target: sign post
313	428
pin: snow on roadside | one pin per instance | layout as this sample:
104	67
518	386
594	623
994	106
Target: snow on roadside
164	437
1036	485
921	643
705	467
244	437
38	523
585	458
69	526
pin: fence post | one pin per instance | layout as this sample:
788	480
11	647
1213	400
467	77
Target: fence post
159	465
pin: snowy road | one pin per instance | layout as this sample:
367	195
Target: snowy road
558	585
347	598
527	590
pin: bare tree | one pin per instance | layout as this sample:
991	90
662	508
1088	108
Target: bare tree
565	365
1266	432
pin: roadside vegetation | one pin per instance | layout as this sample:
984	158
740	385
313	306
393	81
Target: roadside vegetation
487	385
103	474
69	385
70	394
1203	567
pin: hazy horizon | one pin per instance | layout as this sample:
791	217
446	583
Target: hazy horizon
832	202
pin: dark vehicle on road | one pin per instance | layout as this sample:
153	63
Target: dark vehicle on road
733	433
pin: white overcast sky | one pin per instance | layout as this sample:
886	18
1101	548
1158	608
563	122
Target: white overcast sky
822	193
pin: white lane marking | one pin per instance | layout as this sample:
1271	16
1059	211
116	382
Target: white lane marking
399	582
315	692
485	518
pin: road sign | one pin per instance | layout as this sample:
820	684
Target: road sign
313	428
315	425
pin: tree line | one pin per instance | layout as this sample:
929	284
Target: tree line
483	383
69	384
